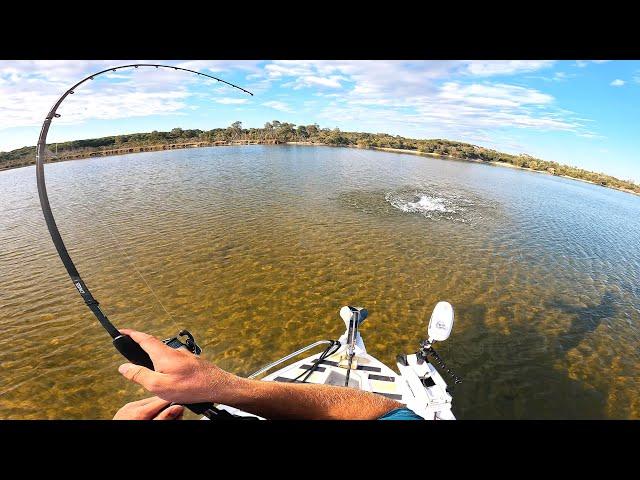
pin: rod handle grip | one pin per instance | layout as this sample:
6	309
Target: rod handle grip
135	354
132	351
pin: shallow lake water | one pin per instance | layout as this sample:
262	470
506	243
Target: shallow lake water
254	249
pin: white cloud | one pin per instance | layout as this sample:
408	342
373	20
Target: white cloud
216	66
53	71
28	89
82	106
306	73
332	81
562	76
450	97
288	68
466	110
506	67
372	78
24	101
230	101
591	135
617	83
556	77
283	107
425	96
499	95
585	63
459	108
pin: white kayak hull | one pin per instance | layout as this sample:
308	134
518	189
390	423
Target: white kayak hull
418	385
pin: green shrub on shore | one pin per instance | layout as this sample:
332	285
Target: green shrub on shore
282	132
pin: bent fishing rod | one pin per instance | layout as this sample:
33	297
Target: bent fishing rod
123	343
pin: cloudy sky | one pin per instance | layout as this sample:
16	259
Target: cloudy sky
583	113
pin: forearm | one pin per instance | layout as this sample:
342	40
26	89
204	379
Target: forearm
275	400
183	378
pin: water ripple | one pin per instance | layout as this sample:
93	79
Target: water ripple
256	248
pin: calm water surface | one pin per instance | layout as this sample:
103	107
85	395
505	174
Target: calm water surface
254	249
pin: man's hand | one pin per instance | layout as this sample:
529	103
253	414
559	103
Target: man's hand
150	409
179	375
182	377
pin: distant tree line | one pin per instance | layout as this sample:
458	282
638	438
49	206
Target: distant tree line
283	132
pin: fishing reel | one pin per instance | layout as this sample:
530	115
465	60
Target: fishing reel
135	354
190	343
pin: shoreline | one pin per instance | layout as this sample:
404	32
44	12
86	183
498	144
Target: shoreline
498	164
182	146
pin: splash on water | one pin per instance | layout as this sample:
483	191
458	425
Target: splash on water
430	203
433	202
425	204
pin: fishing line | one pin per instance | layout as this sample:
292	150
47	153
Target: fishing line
133	264
123	343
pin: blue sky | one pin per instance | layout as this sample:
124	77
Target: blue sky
583	113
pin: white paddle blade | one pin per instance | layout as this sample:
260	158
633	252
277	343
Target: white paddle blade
441	322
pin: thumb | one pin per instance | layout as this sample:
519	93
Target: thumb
140	375
174	412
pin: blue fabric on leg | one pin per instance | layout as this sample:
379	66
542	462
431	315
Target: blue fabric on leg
401	414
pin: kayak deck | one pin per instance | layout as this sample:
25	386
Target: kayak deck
367	374
370	375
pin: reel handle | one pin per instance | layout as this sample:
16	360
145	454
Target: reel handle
135	354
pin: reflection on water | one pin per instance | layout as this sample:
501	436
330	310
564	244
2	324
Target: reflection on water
254	249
